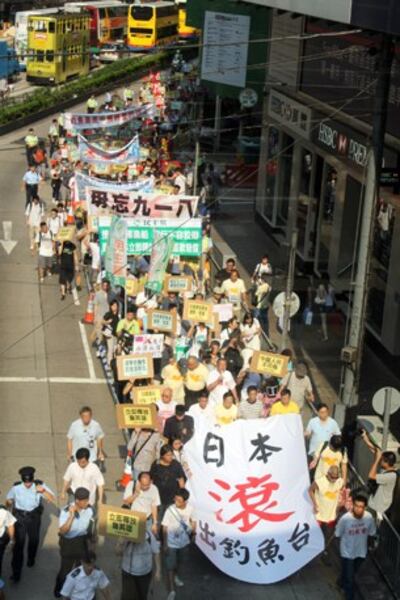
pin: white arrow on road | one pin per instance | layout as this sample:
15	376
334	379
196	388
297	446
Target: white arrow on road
7	243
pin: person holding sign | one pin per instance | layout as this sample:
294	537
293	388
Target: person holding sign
179	528
284	406
235	290
138	562
143	496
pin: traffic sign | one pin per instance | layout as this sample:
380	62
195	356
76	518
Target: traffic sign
278	305
379	399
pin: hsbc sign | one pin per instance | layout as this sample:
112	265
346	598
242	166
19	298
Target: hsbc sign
341	141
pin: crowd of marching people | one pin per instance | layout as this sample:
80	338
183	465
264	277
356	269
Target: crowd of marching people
204	374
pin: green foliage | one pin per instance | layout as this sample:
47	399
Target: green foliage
47	97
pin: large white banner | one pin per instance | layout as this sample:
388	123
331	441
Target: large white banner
249	486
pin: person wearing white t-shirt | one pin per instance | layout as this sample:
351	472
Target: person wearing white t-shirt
53	222
85	474
219	382
166	407
178	527
46	246
34	215
143	302
202	413
143	496
85	433
354	530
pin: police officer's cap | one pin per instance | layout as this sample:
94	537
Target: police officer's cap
82	493
27	473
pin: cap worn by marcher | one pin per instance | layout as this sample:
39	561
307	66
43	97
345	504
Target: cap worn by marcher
27	473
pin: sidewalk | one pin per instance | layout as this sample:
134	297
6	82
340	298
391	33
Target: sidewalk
238	226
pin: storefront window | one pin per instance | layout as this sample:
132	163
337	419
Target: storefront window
285	168
272	169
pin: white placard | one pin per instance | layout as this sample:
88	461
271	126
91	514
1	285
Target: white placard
151	343
249	488
222	62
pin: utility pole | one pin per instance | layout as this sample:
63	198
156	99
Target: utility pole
217	123
289	289
355	340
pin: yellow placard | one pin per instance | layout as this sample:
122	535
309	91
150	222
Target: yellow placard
149	394
130	416
122	523
177	284
131	287
161	320
135	366
65	234
198	311
268	362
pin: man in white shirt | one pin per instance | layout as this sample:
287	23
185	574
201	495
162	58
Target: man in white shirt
143	496
34	215
46	248
85	433
202	412
180	181
320	429
83	583
354	530
178	527
53	222
219	382
85	474
166	406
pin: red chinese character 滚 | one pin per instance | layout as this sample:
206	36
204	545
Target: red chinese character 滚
254	498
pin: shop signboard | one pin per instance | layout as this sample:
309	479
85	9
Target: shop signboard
341	141
291	114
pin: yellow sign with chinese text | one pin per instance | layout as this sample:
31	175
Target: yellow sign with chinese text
268	362
149	394
122	523
130	416
198	311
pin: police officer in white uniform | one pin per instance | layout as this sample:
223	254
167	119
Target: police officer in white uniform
7	530
82	583
76	523
25	498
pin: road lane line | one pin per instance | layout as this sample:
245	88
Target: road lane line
73	380
89	359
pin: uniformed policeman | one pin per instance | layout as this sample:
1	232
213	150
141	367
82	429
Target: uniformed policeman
76	524
7	530
83	583
25	498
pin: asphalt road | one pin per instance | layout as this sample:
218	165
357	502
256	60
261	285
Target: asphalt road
45	377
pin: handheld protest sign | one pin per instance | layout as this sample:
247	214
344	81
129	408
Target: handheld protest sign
122	523
130	416
198	311
162	320
149	394
178	284
65	234
135	366
224	312
131	287
149	343
268	362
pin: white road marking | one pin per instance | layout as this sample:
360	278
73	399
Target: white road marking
89	359
75	296
7	243
74	380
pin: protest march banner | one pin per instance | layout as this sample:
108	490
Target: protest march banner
116	253
65	234
91	153
151	343
135	366
198	311
268	362
249	489
82	181
130	416
149	394
187	236
79	121
156	205
162	320
160	254
122	523
178	284
224	312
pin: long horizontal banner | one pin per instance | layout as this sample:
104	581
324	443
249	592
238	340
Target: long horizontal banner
83	181
89	152
139	204
187	237
79	121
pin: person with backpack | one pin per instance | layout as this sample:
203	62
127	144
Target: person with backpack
46	251
382	478
179	527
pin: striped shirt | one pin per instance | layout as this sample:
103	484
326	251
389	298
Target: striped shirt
250	411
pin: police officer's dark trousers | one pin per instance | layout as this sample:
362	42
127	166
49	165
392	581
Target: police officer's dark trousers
4	539
72	551
27	525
